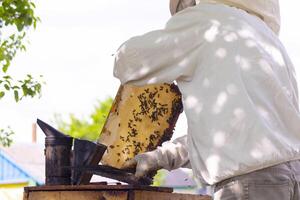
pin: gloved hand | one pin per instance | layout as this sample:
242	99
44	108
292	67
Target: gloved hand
171	155
144	163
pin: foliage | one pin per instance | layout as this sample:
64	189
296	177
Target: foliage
16	17
159	178
86	128
5	135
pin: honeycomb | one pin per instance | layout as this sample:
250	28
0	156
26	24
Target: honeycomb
140	119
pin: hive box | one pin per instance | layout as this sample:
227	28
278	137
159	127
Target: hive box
105	192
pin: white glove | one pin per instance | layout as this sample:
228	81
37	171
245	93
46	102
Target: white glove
171	155
144	163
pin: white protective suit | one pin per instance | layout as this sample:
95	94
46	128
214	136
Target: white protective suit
237	81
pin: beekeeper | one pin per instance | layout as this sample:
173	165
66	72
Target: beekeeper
239	92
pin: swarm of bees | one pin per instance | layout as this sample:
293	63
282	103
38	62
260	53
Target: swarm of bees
141	119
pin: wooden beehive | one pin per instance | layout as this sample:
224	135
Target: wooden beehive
105	192
141	119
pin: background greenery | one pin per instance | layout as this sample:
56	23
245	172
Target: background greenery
17	17
86	128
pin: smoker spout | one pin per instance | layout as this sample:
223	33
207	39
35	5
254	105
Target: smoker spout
49	131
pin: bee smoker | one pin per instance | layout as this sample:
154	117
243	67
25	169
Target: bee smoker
85	154
63	162
58	149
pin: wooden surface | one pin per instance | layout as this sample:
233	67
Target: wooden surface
77	195
149	195
105	192
97	187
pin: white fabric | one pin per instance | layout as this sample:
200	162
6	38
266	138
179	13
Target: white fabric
172	155
145	163
267	10
238	86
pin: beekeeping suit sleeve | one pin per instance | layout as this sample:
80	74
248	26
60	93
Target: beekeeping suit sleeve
173	155
160	56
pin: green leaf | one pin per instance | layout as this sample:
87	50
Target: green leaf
16	94
5	137
7	87
32	4
2	94
7	77
15	87
5	67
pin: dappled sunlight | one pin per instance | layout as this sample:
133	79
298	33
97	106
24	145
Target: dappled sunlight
250	43
266	67
192	103
206	83
255	153
221	53
238	118
159	40
219	139
220	103
231	37
267	145
144	71
152	80
185	62
263	147
211	34
275	53
232	89
245	33
243	62
213	162
239	114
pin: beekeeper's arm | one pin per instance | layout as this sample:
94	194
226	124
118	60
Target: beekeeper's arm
160	56
171	155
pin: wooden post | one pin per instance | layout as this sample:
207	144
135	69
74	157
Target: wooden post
34	135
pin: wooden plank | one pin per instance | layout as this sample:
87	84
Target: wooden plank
25	195
44	195
106	192
96	187
78	195
115	196
150	195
